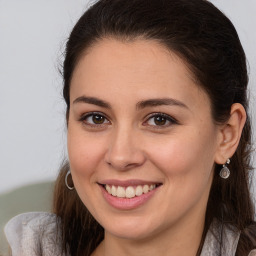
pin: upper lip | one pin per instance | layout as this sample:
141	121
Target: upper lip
126	183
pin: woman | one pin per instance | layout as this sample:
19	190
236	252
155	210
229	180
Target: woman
158	137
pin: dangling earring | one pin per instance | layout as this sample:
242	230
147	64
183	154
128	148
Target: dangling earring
66	181
225	172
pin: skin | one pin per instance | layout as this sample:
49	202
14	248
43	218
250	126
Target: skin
130	144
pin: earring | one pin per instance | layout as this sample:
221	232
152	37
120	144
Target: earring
66	181
225	172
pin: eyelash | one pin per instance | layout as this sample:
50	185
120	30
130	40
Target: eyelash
94	125
167	118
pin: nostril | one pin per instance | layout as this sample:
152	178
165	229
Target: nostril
124	152
122	166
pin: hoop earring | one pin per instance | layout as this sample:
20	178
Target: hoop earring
66	181
225	172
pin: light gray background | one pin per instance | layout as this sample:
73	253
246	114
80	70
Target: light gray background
32	38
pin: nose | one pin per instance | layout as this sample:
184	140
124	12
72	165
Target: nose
125	150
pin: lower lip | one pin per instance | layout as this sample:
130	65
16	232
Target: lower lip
127	203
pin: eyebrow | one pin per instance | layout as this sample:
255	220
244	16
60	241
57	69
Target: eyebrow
140	105
92	100
160	102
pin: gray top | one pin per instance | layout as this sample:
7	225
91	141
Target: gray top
34	234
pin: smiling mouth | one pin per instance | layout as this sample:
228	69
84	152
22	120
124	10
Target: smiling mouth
129	191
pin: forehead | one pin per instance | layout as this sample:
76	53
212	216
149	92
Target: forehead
149	55
141	68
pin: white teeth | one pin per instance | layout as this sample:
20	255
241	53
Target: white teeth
120	192
138	191
151	187
130	191
145	189
113	191
108	188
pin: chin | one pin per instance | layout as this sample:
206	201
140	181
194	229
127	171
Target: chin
131	230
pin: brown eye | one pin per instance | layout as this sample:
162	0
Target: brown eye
94	119
160	120
98	119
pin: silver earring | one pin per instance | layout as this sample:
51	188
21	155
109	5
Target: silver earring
66	181
225	172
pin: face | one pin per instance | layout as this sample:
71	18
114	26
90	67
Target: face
141	139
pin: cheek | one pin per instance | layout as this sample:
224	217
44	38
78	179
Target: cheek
183	156
186	163
85	154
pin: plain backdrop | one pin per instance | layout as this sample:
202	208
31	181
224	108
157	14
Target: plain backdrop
33	34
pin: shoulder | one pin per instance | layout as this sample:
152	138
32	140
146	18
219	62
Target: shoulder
221	239
225	239
252	253
250	233
34	233
247	241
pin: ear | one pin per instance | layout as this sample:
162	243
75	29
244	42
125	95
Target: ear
230	134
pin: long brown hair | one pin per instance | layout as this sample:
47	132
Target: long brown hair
207	41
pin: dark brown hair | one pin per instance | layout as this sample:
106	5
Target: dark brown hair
207	41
